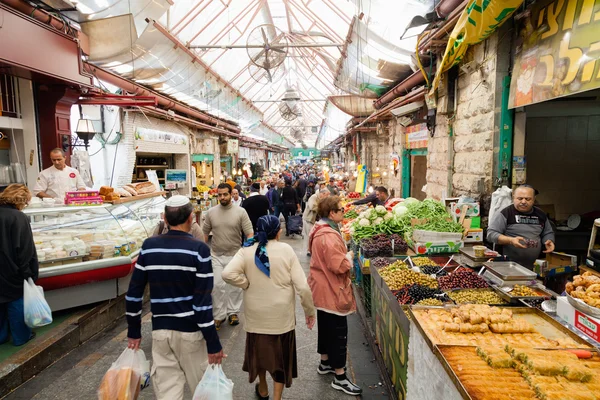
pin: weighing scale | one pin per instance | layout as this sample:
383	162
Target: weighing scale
469	259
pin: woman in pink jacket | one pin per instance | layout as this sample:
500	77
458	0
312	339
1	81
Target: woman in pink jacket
329	281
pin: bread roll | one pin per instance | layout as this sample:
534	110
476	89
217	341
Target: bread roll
104	190
123	192
130	189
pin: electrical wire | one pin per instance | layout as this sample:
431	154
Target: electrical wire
419	64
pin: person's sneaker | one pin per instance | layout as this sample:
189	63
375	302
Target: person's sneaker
323	369
234	320
345	385
218	323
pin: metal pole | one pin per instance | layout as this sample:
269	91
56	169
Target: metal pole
277	101
260	46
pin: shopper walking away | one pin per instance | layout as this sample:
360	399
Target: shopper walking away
163	228
264	188
329	280
291	203
301	189
310	214
178	269
270	194
270	274
227	223
18	262
256	205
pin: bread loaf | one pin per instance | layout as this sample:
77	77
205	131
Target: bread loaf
104	190
130	189
145	188
123	192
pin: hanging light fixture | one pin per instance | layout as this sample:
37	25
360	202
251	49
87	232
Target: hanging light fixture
240	172
85	131
353	164
355	174
370	190
384	173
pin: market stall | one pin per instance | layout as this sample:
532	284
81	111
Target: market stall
87	252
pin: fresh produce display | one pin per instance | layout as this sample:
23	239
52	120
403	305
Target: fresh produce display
523	291
433	270
585	287
437	217
380	262
430	302
377	246
396	276
352	214
399	245
462	279
203	188
419	261
475	296
414	293
371	222
353	195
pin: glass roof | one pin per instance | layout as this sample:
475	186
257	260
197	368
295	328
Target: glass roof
238	79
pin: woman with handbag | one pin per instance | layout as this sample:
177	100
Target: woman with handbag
329	281
18	262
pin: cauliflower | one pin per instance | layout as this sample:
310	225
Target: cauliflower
388	216
364	214
380	210
364	222
400	210
378	221
351	230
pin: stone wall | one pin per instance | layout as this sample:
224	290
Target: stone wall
473	126
395	145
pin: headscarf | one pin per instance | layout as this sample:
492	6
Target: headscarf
267	227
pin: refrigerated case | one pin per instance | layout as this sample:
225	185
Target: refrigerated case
87	254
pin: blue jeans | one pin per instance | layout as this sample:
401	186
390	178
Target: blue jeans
278	211
12	315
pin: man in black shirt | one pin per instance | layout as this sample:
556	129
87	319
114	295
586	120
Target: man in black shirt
256	205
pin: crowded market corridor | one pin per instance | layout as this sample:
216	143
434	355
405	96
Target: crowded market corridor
78	375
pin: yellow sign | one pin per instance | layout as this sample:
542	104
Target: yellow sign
477	22
557	53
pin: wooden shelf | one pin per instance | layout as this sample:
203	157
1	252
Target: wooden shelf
152	166
138	197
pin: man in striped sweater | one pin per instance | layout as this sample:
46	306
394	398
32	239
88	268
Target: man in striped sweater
179	271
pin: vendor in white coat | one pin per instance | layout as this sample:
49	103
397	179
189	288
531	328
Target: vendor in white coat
55	181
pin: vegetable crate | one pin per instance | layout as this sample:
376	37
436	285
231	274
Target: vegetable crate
391	326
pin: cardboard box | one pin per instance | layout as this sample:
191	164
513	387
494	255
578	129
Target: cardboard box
435	247
556	259
588	325
474	236
475	222
473	209
544	269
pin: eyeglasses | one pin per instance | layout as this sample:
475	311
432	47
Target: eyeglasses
336	210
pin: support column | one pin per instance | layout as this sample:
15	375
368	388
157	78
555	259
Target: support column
54	112
30	137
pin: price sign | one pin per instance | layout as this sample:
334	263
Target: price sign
587	325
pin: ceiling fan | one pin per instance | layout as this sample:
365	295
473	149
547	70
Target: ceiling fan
271	52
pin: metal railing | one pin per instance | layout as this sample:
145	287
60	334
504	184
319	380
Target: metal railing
10	104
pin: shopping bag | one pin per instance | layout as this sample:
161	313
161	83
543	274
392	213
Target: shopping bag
214	385
125	377
37	311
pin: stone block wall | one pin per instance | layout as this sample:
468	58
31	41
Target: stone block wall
473	127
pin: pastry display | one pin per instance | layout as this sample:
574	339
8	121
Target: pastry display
440	326
585	287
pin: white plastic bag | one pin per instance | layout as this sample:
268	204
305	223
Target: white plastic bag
214	385
501	199
37	310
126	376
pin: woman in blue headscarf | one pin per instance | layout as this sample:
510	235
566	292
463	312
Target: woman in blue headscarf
271	275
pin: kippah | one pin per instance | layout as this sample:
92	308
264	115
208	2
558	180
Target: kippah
177	201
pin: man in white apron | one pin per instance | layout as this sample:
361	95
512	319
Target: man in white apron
55	181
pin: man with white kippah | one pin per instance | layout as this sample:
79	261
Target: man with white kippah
178	269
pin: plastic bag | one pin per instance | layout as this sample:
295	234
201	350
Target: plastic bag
214	385
501	199
37	310
125	377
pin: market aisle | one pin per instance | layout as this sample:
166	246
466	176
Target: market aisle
77	375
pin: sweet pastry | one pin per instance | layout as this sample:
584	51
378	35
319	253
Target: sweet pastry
104	190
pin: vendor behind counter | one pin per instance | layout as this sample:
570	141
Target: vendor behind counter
522	228
55	181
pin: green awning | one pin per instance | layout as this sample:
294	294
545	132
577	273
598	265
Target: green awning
203	157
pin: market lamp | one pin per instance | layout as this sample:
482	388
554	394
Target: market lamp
370	190
85	131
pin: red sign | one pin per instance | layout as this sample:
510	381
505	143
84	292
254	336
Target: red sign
587	325
72	175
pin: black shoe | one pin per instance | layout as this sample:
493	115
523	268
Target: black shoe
346	386
325	369
260	397
234	320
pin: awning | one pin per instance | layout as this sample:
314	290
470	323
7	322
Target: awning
355	106
203	157
478	21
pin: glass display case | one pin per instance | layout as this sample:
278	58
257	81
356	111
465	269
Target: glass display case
79	245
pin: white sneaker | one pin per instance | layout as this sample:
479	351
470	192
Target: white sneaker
346	386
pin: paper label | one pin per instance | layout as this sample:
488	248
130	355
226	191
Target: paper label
587	325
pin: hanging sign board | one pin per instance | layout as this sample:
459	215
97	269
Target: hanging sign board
232	146
478	21
417	136
558	52
152	135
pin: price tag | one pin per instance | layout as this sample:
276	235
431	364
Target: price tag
587	325
559	270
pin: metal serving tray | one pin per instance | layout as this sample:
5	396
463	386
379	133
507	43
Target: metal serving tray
543	293
509	271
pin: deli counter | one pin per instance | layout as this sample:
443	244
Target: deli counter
86	254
